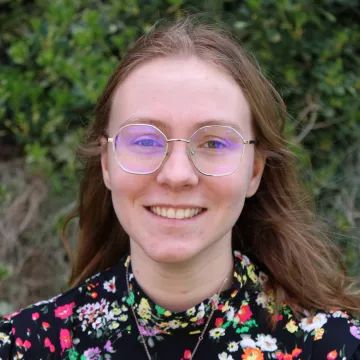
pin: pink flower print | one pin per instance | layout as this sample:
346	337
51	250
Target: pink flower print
355	331
48	344
8	317
65	311
108	347
93	354
35	316
65	340
151	332
27	344
19	342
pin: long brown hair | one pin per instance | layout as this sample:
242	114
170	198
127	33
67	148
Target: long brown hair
277	227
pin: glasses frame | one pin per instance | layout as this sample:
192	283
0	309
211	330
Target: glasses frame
190	152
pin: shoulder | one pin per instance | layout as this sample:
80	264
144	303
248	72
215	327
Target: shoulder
322	335
44	329
334	334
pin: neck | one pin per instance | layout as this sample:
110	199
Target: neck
180	286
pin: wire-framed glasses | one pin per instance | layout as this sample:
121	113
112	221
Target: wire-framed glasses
214	150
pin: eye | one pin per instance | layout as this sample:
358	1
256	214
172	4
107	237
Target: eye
214	144
147	143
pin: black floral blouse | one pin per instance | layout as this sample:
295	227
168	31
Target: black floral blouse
94	321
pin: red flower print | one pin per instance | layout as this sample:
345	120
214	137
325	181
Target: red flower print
27	344
187	354
296	352
65	339
279	355
94	295
48	344
35	316
332	355
7	317
244	314
219	322
288	357
19	342
45	325
65	311
200	321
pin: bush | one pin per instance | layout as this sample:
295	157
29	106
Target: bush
57	56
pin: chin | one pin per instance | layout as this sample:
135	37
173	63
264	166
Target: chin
171	255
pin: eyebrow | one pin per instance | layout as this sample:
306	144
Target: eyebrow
166	127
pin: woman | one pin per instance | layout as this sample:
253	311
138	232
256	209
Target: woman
195	240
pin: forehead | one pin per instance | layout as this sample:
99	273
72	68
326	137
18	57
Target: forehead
180	95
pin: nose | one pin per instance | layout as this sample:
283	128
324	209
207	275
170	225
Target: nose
178	171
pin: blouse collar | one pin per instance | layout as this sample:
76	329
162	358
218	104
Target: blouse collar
156	321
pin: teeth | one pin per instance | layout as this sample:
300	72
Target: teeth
172	213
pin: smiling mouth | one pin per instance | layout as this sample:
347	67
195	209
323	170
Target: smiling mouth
172	213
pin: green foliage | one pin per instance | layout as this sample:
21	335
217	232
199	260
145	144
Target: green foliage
56	57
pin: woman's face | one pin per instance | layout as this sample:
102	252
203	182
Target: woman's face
181	95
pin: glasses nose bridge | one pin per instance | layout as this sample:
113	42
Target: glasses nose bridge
184	140
187	141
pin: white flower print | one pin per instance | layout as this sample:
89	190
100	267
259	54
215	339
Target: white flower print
230	313
311	323
92	314
263	278
338	314
217	332
174	324
247	342
233	346
110	285
191	311
225	356
266	342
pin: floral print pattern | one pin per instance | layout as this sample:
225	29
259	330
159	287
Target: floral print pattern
94	321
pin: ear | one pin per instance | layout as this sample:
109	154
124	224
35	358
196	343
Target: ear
258	169
105	162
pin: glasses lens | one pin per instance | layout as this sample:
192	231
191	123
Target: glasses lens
140	148
216	150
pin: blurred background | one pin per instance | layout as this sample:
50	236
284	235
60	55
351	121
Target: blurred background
55	58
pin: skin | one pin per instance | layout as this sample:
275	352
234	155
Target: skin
180	263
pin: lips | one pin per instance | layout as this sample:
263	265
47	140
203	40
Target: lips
175	213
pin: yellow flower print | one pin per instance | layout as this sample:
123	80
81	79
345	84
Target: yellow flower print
116	311
144	309
252	275
225	307
4	337
113	325
123	317
238	277
291	326
167	313
318	334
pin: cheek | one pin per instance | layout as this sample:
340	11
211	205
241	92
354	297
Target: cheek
230	195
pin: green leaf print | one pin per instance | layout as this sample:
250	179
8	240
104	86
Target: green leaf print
160	310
